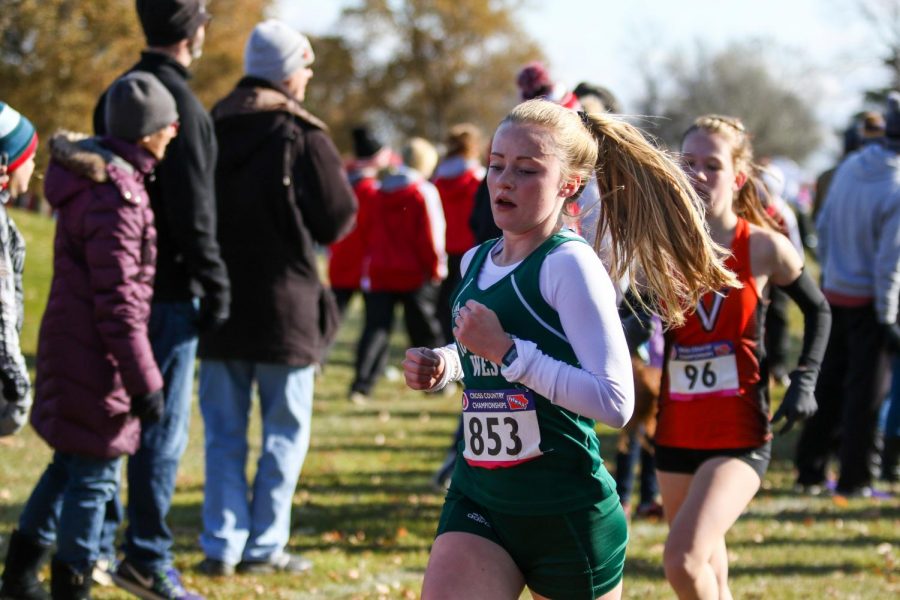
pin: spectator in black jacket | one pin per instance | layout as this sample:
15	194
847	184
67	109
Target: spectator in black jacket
281	189
191	291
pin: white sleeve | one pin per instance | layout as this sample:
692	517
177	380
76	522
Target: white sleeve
467	260
574	282
452	367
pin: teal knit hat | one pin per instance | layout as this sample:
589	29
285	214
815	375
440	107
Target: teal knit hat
18	138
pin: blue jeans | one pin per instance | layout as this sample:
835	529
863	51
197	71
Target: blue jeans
625	463
153	468
67	506
240	524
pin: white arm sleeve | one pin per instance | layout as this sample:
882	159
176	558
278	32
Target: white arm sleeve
574	282
452	367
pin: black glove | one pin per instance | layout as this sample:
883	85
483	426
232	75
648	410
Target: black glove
213	313
14	403
637	331
892	336
799	400
148	407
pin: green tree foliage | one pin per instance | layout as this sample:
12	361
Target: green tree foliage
417	67
337	93
737	81
57	56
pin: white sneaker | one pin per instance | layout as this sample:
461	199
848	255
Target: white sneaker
103	569
359	399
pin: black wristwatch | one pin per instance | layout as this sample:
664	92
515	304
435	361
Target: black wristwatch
511	355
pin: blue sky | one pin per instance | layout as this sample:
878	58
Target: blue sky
831	52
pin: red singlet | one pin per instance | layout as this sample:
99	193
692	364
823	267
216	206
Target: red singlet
712	396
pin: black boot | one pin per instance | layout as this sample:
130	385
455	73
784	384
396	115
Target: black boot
68	584
24	559
890	465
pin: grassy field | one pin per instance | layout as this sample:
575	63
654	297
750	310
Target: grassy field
365	513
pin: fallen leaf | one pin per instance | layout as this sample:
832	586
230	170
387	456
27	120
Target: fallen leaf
332	536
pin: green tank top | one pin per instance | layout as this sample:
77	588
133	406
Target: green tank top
522	454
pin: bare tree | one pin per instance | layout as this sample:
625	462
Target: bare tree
883	17
737	81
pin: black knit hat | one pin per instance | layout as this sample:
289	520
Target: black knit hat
167	22
604	95
365	145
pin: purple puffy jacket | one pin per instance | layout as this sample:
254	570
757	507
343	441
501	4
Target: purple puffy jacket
93	350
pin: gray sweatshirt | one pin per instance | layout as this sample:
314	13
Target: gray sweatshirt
859	230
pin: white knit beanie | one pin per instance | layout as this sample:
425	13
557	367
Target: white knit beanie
275	51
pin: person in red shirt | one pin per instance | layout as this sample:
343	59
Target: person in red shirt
534	81
457	178
713	439
345	257
404	263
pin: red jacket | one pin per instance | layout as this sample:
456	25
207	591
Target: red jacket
346	256
405	235
457	181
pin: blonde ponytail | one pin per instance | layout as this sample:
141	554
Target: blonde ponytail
652	215
655	222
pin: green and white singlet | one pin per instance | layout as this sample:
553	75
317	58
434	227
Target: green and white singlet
523	454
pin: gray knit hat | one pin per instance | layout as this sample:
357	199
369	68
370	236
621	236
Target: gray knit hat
275	51
137	104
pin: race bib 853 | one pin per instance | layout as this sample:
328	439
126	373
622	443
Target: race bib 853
500	428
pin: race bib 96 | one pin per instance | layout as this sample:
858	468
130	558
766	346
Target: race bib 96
500	428
703	371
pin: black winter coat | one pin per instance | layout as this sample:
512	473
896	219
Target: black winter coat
281	188
183	197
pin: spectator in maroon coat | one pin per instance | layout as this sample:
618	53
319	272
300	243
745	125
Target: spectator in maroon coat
96	377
